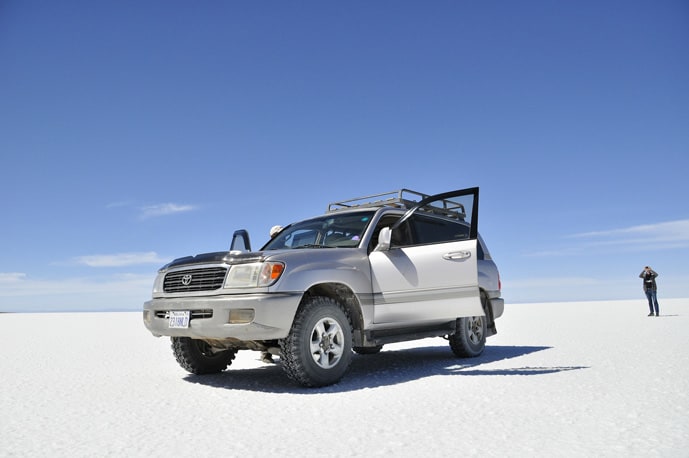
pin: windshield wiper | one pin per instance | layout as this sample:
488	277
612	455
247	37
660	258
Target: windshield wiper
312	245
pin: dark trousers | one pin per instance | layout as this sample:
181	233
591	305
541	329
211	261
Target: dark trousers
652	300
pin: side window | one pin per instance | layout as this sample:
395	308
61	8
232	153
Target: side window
436	230
400	236
479	251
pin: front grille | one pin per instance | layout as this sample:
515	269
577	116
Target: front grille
185	281
208	313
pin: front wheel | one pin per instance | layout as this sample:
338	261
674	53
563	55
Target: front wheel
318	349
197	357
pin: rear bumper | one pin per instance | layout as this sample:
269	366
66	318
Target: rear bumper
273	316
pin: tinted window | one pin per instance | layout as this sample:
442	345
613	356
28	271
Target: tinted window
436	230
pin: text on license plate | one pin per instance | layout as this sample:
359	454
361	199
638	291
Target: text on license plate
179	319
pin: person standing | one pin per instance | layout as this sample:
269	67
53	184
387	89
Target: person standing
650	288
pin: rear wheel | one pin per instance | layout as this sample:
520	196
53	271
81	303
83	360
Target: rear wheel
318	349
470	338
197	357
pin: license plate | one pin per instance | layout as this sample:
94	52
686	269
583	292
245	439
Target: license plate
179	319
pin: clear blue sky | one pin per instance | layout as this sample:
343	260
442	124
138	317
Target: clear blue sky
132	133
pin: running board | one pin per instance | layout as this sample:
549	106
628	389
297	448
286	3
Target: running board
386	336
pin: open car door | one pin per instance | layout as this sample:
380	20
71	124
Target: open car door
424	268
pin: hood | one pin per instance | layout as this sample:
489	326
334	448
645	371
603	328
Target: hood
227	257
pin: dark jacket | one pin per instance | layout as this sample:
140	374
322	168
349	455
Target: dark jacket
649	280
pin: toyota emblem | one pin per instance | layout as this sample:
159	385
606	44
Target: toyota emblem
186	280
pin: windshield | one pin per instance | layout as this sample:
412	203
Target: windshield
330	231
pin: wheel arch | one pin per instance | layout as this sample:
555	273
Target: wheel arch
344	296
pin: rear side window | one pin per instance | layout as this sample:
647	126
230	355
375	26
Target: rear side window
436	230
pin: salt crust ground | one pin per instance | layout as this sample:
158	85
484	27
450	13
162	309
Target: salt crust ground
570	379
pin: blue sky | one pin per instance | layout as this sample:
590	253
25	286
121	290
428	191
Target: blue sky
132	133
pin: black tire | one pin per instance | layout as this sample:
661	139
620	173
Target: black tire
470	338
197	357
318	350
368	350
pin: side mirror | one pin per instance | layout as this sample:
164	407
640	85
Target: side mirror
240	241
384	238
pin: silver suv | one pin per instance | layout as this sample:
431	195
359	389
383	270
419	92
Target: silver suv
370	271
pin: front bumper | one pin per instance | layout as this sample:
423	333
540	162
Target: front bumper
273	316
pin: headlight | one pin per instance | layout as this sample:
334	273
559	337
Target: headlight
158	283
254	274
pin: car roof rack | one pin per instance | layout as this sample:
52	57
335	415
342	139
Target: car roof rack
404	199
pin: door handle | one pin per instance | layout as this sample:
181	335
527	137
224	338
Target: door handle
457	255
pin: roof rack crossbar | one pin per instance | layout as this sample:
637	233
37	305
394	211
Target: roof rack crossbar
403	198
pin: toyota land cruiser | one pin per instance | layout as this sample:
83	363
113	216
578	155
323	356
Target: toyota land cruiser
374	270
